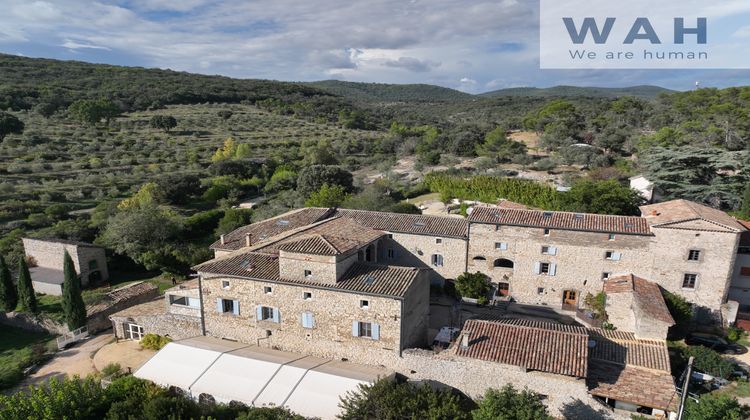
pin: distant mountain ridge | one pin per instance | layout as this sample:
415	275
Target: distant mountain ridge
644	91
384	92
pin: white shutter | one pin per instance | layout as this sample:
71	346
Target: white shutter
258	313
375	331
219	306
552	269
355	328
616	256
306	318
552	250
537	267
503	246
276	315
236	307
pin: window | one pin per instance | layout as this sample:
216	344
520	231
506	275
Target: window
225	284
437	260
612	256
549	269
546	232
605	276
743	250
479	258
307	296
503	263
265	313
390	236
308	274
694	255
364	304
391	253
307	320
689	281
540	290
745	271
549	250
611	236
438	240
501	246
93	265
366	330
228	306
268	290
184	301
134	332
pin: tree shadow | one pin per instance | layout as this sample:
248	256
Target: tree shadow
577	409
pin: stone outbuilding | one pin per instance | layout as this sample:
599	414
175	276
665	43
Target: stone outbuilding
46	257
635	304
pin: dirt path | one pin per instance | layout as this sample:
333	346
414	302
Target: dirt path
77	360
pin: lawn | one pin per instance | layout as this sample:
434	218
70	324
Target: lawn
19	349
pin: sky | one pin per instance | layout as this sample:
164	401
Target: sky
474	46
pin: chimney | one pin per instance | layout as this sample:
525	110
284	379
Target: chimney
248	239
465	340
221	238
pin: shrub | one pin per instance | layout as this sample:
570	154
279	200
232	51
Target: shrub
473	286
112	370
510	404
709	361
682	312
154	341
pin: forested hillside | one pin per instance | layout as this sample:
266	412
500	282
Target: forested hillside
643	92
154	163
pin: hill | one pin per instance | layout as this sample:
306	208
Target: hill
643	92
381	92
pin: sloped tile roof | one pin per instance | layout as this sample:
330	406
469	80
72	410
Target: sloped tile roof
673	213
647	295
622	348
560	220
333	236
409	223
360	278
271	227
633	385
532	345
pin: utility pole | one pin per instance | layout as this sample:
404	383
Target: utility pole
685	386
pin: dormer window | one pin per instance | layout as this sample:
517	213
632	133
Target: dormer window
282	223
578	216
547	214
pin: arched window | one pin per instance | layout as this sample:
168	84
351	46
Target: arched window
503	263
480	258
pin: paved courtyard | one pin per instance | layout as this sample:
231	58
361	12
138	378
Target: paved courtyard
128	354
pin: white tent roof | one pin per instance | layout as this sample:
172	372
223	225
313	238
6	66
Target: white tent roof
257	376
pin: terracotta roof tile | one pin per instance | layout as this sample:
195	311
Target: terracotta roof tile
533	345
360	278
633	385
647	295
409	223
672	213
560	220
622	348
334	236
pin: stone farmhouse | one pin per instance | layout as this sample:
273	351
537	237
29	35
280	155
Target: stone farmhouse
46	263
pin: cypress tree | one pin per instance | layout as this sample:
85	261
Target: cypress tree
8	295
26	294
72	301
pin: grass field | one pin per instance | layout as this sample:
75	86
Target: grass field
18	348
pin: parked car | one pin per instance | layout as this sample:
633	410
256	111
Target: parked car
715	343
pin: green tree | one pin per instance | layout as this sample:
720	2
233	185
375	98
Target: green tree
473	285
72	301
311	178
233	219
497	145
715	406
8	293
93	112
601	197
682	313
327	196
244	150
150	194
163	122
745	209
9	124
389	400
709	361
226	152
510	404
26	295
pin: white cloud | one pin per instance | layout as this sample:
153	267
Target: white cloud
73	45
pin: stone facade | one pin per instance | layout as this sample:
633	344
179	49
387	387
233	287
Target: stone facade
89	260
402	323
410	250
739	290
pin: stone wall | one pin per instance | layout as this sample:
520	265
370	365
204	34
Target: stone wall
619	308
28	322
417	250
98	315
50	254
333	312
177	327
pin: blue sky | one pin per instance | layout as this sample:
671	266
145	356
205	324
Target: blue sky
474	46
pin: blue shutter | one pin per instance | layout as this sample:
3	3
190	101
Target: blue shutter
537	267
307	320
355	328
311	317
503	246
375	331
276	315
552	269
219	306
552	250
236	307
616	256
258	313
